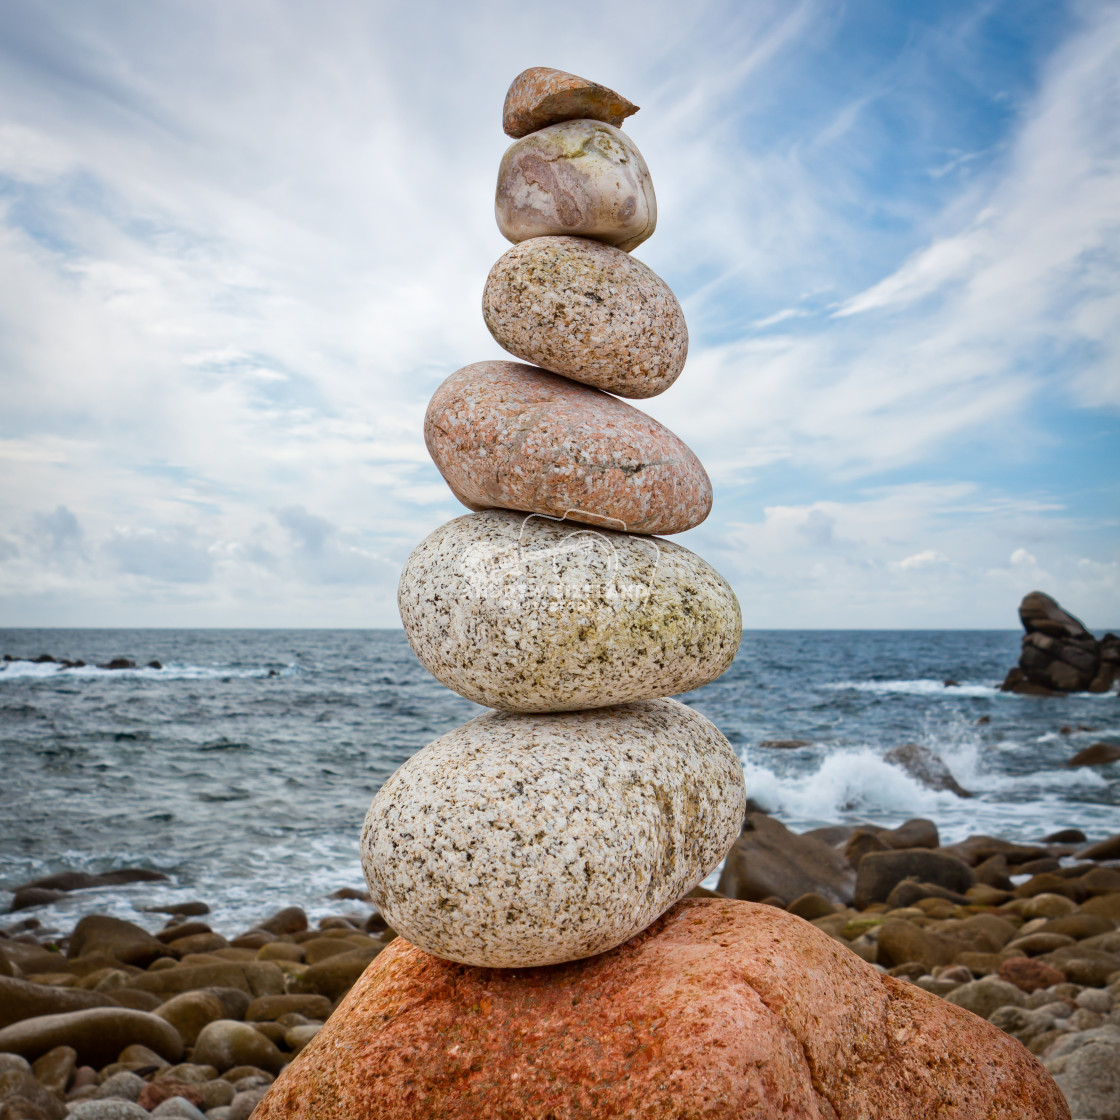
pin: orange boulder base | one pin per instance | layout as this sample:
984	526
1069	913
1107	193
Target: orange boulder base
720	1009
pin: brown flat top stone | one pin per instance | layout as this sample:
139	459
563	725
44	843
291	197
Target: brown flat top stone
721	1009
542	96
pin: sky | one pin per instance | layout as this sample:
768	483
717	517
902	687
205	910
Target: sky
242	242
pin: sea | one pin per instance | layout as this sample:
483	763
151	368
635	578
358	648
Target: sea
243	767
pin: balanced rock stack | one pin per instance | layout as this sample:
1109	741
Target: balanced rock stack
534	860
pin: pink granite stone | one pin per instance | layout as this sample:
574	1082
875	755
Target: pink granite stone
511	436
721	1010
542	96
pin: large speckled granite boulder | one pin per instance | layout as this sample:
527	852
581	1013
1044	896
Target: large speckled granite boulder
534	615
587	311
721	1010
522	840
542	96
584	178
514	437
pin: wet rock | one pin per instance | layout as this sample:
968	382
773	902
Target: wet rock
292	919
983	996
900	942
529	615
227	1043
1099	754
528	840
97	1035
1030	975
510	436
124	941
18	1086
83	880
22	999
810	906
181	909
55	1068
927	767
334	977
269	1008
581	178
541	96
1102	850
119	663
189	1012
768	860
880	872
769	1016
189	978
784	744
587	311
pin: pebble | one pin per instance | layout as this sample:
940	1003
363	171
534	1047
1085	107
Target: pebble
582	178
108	1110
542	96
526	840
226	1043
526	614
515	437
587	311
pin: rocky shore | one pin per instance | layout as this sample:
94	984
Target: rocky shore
114	1022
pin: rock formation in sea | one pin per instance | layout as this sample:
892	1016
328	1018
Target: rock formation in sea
1059	654
533	861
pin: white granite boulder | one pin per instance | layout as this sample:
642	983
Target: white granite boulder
582	178
587	311
521	840
531	614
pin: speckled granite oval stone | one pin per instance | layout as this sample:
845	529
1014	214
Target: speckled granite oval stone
542	96
528	614
522	840
587	311
583	178
512	436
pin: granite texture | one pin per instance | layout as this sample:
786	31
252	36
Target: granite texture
587	311
583	178
542	96
721	1010
528	614
511	436
521	840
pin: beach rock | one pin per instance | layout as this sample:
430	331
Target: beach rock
769	861
721	1009
18	1086
525	614
21	999
527	840
84	880
292	919
98	1035
242	1106
879	872
541	96
983	996
125	1086
55	1068
124	941
1059	654
1089	1077
108	1110
927	767
269	1008
1099	754
587	311
10	1063
1106	849
334	977
178	1108
189	1012
582	178
515	437
1030	975
226	1043
190	977
901	941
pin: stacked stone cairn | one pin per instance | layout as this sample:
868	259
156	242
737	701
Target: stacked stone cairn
531	859
571	816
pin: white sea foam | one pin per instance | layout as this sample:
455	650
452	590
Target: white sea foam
923	687
48	670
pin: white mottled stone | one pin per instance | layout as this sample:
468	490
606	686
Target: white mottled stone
522	840
587	311
583	178
532	614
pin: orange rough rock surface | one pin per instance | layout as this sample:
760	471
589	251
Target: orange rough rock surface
721	1009
542	96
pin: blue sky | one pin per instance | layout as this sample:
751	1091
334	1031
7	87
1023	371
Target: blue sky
242	243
